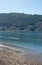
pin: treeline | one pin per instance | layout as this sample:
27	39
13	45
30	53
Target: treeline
20	21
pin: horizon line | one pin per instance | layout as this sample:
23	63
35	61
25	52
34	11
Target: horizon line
20	13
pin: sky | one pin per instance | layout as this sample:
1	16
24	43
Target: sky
21	6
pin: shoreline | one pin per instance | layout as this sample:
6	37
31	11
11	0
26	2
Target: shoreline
30	50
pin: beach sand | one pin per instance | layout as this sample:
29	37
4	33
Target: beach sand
10	56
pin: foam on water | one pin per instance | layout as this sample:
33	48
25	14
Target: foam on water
15	38
1	46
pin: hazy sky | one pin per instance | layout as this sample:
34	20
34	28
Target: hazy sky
21	6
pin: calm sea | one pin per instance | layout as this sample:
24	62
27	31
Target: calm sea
32	40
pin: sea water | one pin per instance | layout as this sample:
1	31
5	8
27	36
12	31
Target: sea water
31	40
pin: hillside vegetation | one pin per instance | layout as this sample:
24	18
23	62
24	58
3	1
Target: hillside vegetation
20	21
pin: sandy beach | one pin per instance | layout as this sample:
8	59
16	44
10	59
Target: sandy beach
10	56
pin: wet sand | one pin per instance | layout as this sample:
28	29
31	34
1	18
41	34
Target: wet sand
18	56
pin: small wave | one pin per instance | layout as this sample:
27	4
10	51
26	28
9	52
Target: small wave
16	38
11	48
1	46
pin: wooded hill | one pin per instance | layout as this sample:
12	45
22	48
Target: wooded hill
20	21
